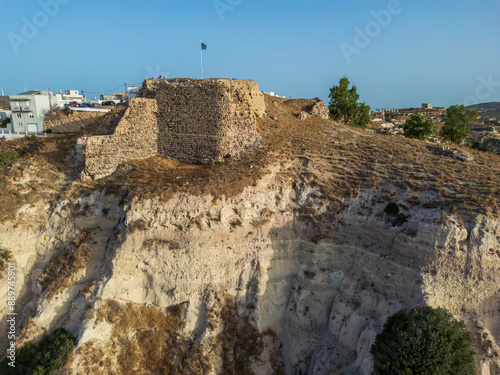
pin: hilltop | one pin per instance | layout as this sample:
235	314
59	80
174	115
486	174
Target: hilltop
282	259
488	110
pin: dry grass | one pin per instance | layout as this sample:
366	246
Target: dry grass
346	161
40	174
340	161
144	340
239	343
61	269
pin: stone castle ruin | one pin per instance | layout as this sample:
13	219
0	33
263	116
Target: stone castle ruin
190	120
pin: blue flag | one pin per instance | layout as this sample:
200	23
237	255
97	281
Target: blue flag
203	46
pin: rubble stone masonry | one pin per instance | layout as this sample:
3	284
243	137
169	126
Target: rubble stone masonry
135	137
190	120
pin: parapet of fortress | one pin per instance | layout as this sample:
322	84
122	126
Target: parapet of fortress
194	121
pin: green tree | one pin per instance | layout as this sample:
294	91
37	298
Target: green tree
458	123
43	357
344	105
5	121
418	127
425	341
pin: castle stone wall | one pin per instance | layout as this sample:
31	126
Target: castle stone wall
194	121
135	137
205	120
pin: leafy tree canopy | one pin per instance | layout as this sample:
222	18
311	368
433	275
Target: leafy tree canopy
43	357
5	121
418	127
344	105
424	341
458	123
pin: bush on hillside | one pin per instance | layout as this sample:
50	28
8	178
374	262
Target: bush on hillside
8	157
423	341
43	357
458	123
5	258
418	127
66	110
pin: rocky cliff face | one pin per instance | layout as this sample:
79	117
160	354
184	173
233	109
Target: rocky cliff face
320	285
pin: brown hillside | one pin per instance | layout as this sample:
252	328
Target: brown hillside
343	161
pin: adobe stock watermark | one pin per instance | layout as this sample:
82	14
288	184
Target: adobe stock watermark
363	37
224	6
11	315
30	28
155	73
484	89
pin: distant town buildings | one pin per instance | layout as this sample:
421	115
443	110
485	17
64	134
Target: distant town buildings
60	100
271	93
29	109
400	116
115	97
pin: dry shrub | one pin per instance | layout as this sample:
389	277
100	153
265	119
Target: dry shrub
62	268
240	343
144	340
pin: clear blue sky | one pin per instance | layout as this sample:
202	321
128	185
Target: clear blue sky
441	52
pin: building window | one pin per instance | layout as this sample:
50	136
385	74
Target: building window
31	115
18	115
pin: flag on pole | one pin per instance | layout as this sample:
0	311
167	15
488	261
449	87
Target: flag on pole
203	46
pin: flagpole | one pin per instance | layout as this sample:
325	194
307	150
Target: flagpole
201	55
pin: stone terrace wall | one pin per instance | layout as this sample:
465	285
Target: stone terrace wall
201	121
135	137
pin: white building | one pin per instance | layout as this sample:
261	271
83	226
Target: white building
73	96
28	110
60	100
133	91
116	97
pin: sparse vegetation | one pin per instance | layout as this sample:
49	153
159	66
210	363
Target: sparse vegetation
240	342
391	209
66	110
5	258
41	358
458	123
399	220
344	105
8	157
145	339
423	341
63	267
419	128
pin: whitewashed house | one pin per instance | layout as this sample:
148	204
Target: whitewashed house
28	110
